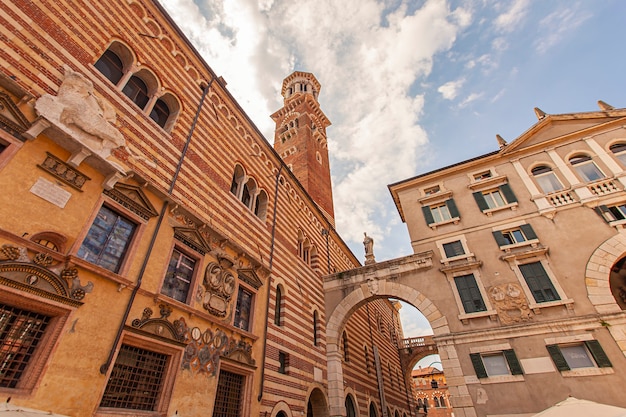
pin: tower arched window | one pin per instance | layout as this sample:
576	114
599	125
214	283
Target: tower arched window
238	177
586	168
160	112
546	179
436	400
278	309
260	205
442	401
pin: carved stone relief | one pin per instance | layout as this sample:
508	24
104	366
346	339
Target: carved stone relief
510	303
78	112
41	275
63	171
218	287
161	326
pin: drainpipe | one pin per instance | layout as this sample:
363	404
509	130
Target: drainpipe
269	285
104	368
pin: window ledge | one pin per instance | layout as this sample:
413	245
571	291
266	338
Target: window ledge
461	264
488	183
510	206
587	372
525	252
618	224
536	307
435	198
454	220
465	256
501	379
465	317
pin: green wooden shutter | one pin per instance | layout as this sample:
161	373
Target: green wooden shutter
479	367
598	354
514	365
557	358
499	238
480	200
528	232
428	215
508	193
601	210
454	212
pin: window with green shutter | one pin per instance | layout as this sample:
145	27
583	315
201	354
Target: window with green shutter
588	354
469	293
539	282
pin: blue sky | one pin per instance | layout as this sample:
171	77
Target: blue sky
411	86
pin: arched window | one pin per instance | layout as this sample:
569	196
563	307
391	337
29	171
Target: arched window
619	150
350	409
436	401
238	177
136	90
586	168
260	205
344	342
546	179
316	320
306	251
442	401
278	309
160	112
420	403
397	413
111	66
373	410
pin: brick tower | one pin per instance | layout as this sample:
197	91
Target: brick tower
300	138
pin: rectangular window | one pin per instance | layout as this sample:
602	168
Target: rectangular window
179	276
482	175
469	293
588	354
496	364
494	198
107	240
20	333
432	190
612	213
229	395
453	249
438	213
539	282
243	309
283	362
512	236
136	381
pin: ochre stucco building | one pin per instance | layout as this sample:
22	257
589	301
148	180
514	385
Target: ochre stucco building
158	256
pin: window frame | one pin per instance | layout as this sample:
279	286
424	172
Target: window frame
12	146
131	245
231	366
467	267
515	371
579	161
137	340
553	179
241	286
441	245
484	195
59	318
525	230
451	210
595	353
618	149
198	266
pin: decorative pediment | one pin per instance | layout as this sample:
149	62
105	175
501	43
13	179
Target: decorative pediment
161	327
250	277
192	238
12	119
36	276
133	198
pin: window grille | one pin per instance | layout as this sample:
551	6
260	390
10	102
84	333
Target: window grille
20	332
229	395
136	380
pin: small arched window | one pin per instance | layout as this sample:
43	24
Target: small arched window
249	190
586	168
278	309
619	150
344	342
350	409
238	177
316	320
373	410
546	179
136	90
436	401
442	401
260	205
111	66
420	403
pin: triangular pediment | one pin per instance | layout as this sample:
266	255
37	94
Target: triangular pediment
192	238
12	120
250	277
133	198
553	127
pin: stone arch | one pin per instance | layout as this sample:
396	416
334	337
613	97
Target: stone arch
317	403
337	317
597	273
281	409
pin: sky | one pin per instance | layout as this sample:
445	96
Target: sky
411	86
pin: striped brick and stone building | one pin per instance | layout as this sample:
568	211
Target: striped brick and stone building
158	256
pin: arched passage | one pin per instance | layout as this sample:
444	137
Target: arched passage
366	288
317	406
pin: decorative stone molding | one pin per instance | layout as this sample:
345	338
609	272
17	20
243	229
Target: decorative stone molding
162	326
219	286
510	303
132	198
64	172
12	120
38	275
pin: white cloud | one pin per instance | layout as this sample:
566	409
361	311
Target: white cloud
514	16
471	98
451	89
558	24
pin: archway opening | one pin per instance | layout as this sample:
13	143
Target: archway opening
317	406
617	282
